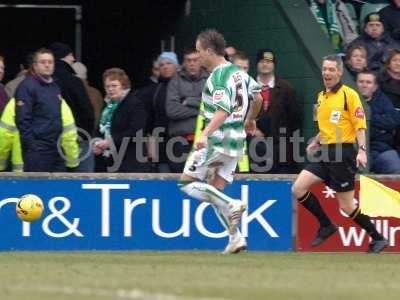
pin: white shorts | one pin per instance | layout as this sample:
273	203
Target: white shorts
201	162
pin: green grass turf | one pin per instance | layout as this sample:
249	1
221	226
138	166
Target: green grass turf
197	276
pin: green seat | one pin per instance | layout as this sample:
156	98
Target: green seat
368	8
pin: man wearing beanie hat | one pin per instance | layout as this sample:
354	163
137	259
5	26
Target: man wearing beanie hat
74	92
280	117
168	56
375	40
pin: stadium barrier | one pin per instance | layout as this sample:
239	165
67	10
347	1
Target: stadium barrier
149	212
139	212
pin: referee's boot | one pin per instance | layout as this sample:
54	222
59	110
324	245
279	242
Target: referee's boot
376	246
324	232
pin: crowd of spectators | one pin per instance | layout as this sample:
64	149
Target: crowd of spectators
367	35
54	120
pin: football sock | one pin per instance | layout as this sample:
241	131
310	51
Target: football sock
364	222
311	203
224	221
205	192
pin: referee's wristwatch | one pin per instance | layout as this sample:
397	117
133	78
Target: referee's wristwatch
362	147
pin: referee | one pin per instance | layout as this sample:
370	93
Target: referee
341	121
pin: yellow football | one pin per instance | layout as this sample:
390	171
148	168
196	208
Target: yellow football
29	208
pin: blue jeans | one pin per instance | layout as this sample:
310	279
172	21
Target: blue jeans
387	162
86	158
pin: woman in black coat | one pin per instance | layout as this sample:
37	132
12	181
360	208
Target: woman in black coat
121	144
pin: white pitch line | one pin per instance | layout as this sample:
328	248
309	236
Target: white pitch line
134	294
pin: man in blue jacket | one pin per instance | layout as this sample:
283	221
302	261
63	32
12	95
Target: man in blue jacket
38	116
384	119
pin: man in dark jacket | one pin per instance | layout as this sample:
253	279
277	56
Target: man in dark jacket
376	41
391	18
384	120
74	92
182	107
280	117
38	116
154	98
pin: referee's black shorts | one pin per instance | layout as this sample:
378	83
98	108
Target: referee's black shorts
335	164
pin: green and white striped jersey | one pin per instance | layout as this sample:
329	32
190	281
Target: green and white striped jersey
228	88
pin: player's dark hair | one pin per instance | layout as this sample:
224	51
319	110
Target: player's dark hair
211	38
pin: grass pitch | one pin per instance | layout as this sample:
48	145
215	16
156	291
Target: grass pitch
197	276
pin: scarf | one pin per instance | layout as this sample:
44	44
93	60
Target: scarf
330	26
108	113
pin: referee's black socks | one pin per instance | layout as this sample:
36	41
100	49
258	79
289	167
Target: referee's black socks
365	223
311	203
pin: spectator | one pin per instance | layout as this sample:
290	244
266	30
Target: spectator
10	144
182	106
155	72
391	18
146	92
280	117
348	23
122	124
376	41
383	121
94	94
242	60
3	94
230	52
357	4
325	13
356	60
12	85
39	118
74	93
389	78
154	97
